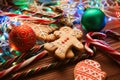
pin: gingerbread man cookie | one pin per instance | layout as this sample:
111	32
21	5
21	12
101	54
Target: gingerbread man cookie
43	32
67	38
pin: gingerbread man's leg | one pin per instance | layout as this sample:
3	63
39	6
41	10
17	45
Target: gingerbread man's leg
62	50
60	53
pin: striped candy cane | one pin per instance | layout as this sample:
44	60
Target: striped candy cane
22	64
20	58
48	67
103	45
25	17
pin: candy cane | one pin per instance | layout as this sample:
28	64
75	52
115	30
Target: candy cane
48	67
25	17
18	59
38	13
8	62
88	49
87	43
34	51
99	35
104	46
112	34
23	64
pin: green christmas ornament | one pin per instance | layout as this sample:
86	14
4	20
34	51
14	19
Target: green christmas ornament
93	19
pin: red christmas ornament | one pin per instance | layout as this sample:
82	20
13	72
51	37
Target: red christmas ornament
22	38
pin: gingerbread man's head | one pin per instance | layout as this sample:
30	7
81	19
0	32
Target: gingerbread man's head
67	30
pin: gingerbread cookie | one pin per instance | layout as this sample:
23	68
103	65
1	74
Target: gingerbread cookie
67	38
89	70
43	32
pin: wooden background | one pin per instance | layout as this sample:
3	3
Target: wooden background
66	72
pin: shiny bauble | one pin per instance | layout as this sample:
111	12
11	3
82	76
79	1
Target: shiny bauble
93	19
22	38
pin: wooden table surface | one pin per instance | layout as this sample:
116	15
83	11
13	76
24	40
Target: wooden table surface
66	72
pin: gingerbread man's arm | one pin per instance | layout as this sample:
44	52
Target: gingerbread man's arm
49	37
50	46
77	44
57	34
